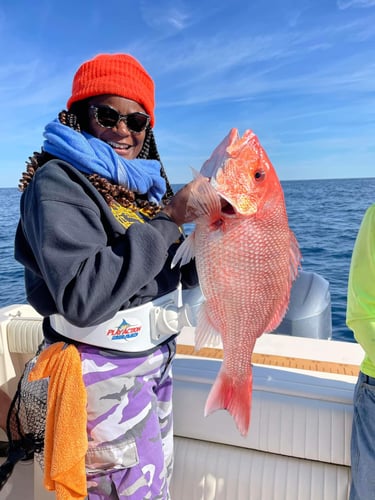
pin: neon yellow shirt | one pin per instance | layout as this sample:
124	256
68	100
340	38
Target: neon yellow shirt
360	312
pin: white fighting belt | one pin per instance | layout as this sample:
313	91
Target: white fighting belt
139	328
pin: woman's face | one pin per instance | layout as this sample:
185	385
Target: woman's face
125	142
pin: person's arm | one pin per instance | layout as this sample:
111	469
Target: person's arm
360	315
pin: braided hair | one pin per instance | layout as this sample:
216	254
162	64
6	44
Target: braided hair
77	118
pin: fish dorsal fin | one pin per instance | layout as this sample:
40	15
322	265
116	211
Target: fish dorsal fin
294	263
294	256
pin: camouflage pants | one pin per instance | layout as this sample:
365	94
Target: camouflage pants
129	426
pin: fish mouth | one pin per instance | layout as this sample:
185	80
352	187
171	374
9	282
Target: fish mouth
242	210
227	208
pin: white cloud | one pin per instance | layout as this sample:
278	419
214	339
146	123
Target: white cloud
347	4
165	15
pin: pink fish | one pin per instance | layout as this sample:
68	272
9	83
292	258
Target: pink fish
247	258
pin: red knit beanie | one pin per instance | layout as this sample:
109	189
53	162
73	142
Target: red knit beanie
118	74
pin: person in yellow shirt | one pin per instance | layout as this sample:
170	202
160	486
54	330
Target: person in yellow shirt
360	317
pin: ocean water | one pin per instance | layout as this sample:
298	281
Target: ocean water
324	214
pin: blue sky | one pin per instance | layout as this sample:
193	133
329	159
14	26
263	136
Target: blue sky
299	73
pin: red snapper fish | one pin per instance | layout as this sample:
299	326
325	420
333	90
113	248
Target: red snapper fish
247	258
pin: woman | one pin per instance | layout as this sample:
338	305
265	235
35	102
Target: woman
98	229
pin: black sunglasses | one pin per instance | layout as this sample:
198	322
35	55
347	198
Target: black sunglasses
108	117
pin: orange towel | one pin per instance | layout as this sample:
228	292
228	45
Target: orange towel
65	442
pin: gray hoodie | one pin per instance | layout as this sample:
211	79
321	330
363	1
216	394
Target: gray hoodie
80	261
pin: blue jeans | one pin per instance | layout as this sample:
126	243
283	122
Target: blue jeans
363	440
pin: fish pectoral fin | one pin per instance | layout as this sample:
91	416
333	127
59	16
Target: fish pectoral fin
204	201
205	333
234	396
185	252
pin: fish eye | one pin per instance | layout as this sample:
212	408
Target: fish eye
259	175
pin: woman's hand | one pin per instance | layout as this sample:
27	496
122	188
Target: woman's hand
177	206
194	200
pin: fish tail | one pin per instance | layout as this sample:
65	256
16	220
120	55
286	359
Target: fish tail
234	396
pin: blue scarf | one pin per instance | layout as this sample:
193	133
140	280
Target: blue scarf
93	156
